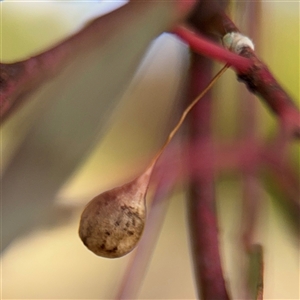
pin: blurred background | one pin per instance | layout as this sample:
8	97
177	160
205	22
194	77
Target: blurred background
49	261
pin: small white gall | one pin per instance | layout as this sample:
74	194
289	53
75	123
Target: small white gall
235	42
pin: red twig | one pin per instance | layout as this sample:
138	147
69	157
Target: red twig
260	80
240	157
252	71
201	208
17	80
251	201
204	46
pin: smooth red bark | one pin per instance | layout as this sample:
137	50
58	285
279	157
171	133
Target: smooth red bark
201	196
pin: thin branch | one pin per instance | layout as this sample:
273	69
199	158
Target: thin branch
252	71
206	47
241	157
260	81
238	158
201	201
18	79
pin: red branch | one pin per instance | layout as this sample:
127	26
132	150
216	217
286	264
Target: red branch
201	207
204	46
250	70
17	80
260	80
241	156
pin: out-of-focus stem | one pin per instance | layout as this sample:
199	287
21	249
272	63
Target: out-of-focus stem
18	79
256	271
248	117
286	183
201	203
237	158
137	267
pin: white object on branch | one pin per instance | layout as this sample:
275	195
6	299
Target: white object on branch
236	42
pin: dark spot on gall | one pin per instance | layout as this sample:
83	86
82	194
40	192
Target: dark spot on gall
115	249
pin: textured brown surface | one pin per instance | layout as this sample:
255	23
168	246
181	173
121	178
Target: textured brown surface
113	222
